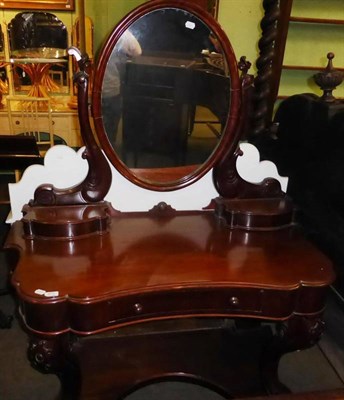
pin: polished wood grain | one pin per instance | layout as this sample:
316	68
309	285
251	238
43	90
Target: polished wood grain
66	223
154	286
157	267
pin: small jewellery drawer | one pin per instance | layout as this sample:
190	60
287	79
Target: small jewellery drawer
246	302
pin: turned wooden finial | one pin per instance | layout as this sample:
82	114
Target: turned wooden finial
329	79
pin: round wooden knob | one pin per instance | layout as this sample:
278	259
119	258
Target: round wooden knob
138	307
234	301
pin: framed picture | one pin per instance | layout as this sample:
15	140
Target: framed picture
68	5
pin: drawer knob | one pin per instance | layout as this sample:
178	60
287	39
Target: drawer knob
138	307
17	122
234	301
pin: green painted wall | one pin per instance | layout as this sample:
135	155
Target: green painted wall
106	14
239	19
308	45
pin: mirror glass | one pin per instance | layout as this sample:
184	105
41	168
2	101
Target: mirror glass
165	92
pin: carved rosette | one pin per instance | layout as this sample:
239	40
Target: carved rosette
46	355
300	332
162	209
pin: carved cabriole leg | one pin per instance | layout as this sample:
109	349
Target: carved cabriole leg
298	333
50	355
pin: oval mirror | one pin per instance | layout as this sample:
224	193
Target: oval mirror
166	95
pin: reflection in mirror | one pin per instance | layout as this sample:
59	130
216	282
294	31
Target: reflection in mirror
165	92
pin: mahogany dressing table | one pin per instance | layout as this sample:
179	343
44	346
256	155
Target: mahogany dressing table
114	300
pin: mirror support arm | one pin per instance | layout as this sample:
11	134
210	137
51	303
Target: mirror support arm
227	180
245	205
98	180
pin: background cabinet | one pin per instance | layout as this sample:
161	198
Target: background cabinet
65	125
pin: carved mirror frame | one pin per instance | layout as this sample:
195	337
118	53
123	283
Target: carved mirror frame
230	135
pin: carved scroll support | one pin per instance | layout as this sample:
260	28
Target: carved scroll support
299	333
231	185
98	180
243	204
227	181
84	212
250	206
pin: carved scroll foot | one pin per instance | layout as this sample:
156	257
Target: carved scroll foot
46	355
298	333
52	356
